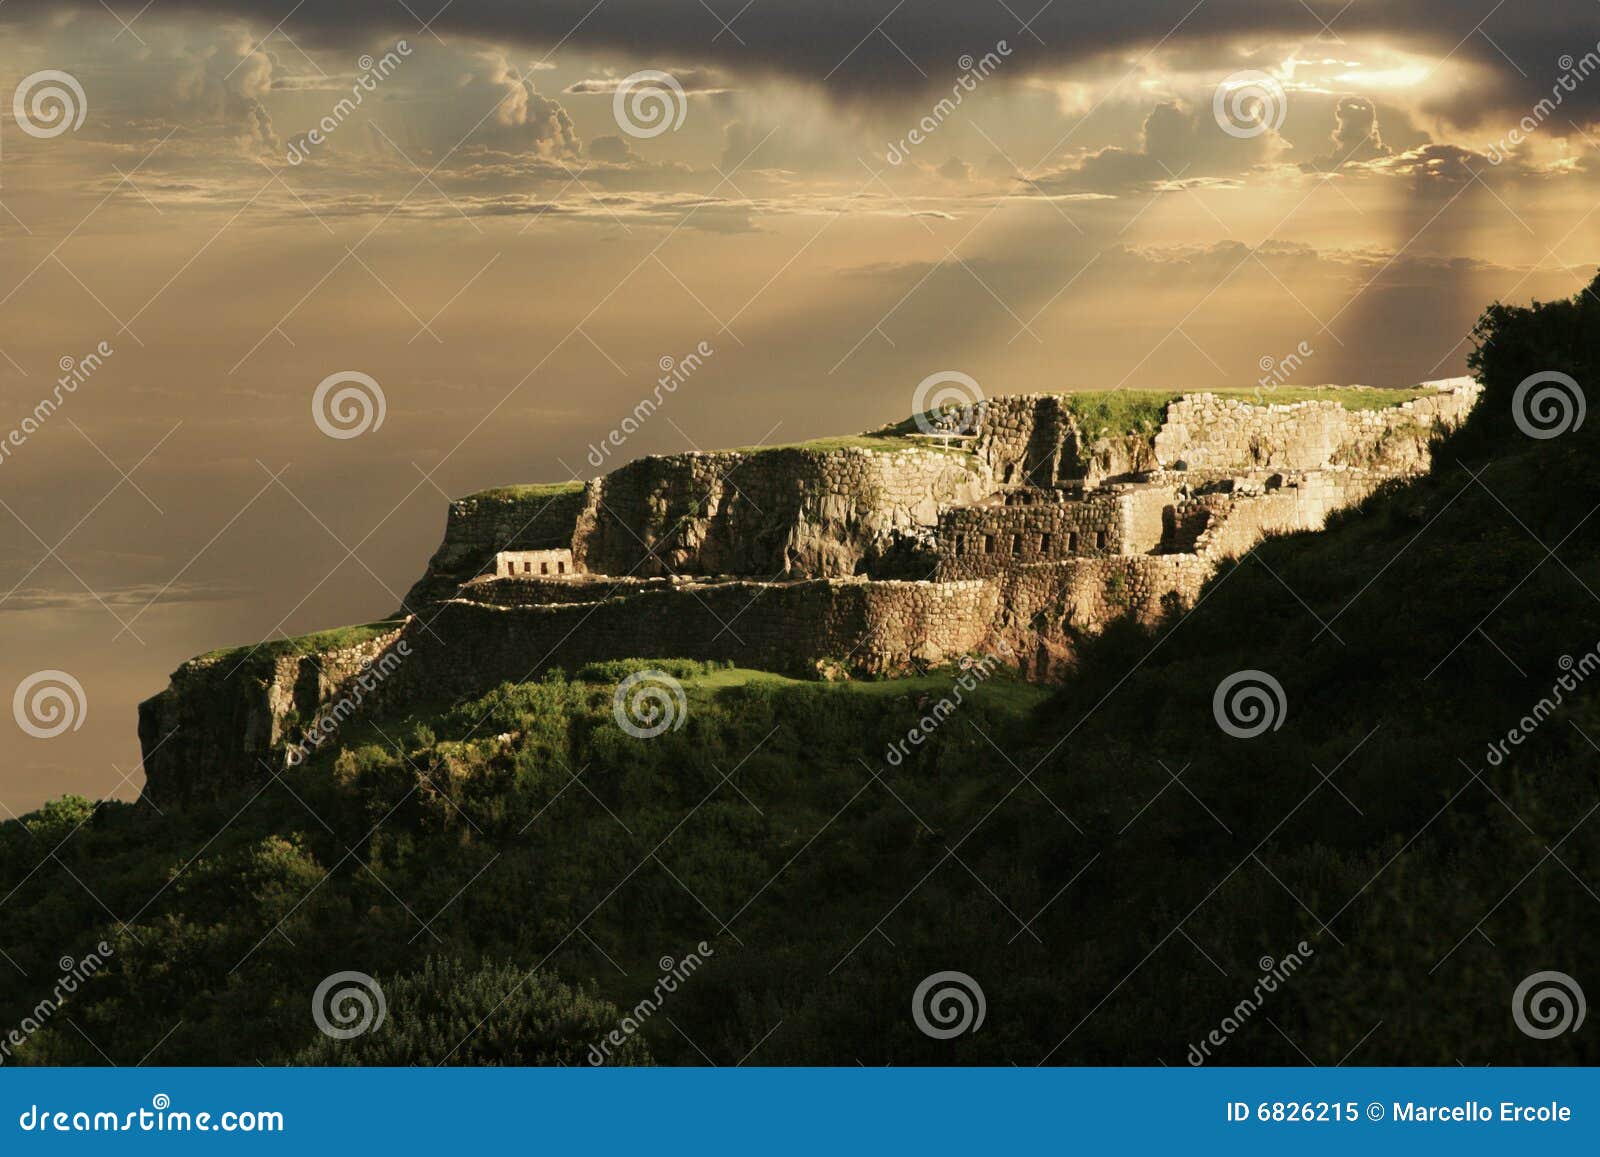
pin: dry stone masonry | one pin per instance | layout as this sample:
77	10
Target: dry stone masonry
1016	536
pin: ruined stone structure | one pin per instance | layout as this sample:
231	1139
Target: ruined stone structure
543	563
1016	534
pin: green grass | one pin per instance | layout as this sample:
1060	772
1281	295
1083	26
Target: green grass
889	440
1351	398
1002	689
526	492
1114	413
330	640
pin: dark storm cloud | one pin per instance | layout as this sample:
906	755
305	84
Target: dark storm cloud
860	47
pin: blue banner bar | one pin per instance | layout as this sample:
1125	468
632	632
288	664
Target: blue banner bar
747	1112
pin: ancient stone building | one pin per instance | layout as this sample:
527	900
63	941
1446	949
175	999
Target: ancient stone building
543	563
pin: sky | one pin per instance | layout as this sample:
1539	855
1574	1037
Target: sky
286	277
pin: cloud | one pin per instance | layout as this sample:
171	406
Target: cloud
690	80
858	47
522	119
1356	138
207	83
611	150
955	169
1179	146
130	597
1435	164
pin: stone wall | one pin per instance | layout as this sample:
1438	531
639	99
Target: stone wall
869	626
803	513
1208	433
795	513
556	561
986	540
1242	518
1044	607
1028	439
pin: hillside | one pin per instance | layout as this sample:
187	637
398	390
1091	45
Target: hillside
1110	865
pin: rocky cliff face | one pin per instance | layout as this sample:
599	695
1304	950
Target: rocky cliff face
224	718
779	513
785	513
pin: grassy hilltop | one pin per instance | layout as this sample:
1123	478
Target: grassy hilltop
1102	858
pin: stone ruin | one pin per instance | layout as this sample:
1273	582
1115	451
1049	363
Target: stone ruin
527	563
1012	533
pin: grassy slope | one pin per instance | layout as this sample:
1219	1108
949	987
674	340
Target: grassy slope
1111	867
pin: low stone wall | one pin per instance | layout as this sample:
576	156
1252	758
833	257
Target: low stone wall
1239	521
469	648
522	592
